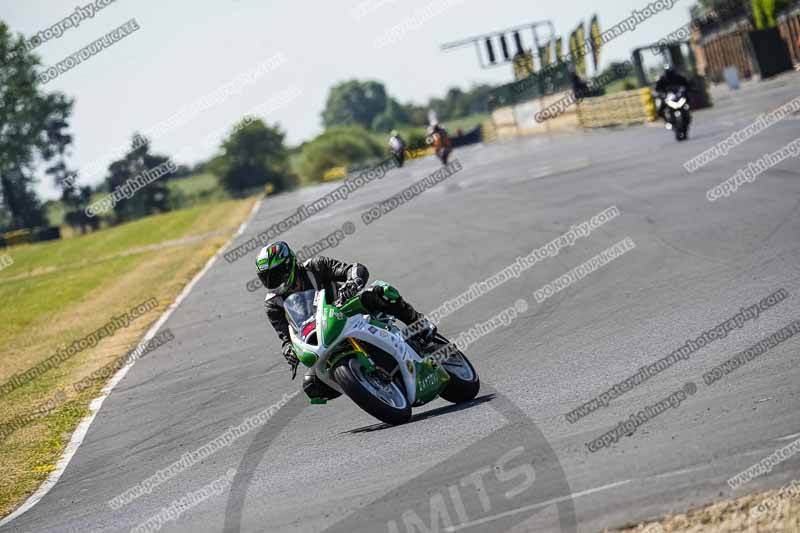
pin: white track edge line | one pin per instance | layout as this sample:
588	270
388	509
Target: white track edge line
94	407
547	503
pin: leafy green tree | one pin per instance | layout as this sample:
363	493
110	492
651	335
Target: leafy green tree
393	116
75	201
28	120
383	123
341	146
24	209
367	104
417	114
253	156
147	200
454	105
458	103
354	102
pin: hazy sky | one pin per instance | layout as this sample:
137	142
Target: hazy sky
187	49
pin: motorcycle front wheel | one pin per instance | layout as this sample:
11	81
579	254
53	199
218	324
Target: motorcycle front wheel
681	128
383	399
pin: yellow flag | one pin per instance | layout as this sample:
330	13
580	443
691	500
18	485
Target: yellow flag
580	57
573	47
597	41
523	65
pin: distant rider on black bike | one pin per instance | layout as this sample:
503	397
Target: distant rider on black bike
669	81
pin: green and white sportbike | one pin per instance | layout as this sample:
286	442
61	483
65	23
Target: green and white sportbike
368	359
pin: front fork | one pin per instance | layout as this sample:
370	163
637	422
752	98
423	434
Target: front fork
358	351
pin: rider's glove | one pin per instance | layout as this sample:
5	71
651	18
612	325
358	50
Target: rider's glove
350	289
291	358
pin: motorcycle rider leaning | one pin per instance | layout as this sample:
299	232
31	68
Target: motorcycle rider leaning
440	140
398	147
670	80
396	142
280	273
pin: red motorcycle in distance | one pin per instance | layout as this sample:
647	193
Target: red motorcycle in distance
440	140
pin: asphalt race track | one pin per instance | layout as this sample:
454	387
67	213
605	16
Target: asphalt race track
510	461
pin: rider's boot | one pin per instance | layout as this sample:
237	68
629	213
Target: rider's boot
418	327
384	298
316	390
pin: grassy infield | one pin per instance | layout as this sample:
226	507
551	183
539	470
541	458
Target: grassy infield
58	292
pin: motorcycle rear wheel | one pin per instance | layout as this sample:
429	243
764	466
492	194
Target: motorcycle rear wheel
464	383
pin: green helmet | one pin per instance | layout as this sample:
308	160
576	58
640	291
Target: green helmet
276	265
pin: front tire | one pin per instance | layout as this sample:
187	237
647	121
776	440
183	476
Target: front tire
361	388
681	128
444	155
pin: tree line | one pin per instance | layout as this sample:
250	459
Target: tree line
367	104
35	135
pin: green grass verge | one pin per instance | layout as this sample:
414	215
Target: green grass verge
108	242
195	184
63	290
39	298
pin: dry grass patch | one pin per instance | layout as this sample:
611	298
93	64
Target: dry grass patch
776	511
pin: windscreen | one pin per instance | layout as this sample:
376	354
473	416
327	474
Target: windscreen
300	309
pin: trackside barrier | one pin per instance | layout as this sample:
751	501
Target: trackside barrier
16	237
541	115
420	152
29	236
337	173
628	107
505	123
489	131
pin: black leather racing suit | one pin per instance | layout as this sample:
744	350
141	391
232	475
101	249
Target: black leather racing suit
325	272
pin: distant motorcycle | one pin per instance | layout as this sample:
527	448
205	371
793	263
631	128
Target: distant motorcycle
438	138
677	113
398	149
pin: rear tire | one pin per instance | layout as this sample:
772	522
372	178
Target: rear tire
459	389
362	397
